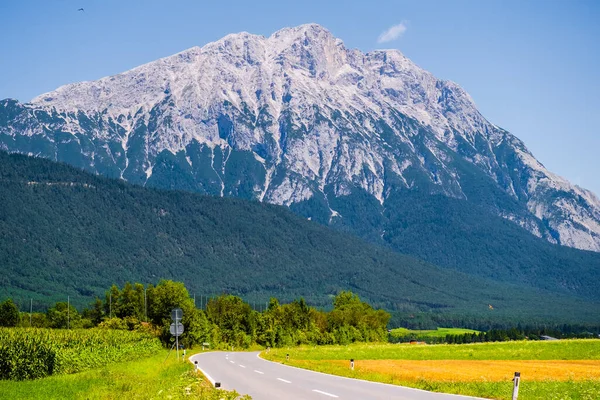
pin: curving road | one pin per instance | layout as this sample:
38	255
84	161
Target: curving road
265	380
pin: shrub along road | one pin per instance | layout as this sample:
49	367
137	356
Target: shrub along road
246	373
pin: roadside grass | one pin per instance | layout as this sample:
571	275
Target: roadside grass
147	378
566	369
438	333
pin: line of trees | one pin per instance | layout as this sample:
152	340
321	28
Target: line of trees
488	321
227	320
501	335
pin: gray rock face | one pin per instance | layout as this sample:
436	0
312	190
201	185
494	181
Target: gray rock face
298	119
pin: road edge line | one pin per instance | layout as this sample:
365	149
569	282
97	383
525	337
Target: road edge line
197	366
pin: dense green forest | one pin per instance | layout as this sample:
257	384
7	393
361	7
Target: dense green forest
452	233
64	232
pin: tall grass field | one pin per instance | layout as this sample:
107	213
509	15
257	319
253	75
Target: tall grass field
553	370
30	353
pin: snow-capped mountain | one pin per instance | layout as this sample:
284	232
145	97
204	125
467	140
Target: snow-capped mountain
300	120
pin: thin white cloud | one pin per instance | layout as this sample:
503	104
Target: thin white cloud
393	33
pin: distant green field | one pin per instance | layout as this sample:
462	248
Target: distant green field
439	332
566	369
582	349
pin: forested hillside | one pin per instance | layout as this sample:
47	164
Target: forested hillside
66	232
455	234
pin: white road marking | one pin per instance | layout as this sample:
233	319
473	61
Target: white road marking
243	366
283	380
231	361
259	372
325	393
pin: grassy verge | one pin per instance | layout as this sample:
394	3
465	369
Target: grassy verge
147	378
427	367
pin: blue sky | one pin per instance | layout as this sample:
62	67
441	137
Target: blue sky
532	67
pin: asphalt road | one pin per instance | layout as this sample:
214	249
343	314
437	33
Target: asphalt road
265	380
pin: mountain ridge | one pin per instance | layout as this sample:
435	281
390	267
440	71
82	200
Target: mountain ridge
81	233
307	121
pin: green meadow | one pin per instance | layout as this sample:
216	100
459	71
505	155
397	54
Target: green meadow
385	360
578	349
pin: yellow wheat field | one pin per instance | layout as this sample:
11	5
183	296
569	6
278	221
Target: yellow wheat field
470	371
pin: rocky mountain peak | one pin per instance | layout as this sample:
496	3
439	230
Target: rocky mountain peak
308	33
300	120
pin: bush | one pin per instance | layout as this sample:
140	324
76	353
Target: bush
114	323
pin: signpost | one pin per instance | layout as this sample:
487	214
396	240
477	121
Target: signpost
176	327
176	314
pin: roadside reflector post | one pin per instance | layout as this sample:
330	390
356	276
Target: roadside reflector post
516	381
196	363
287	357
352	364
217	384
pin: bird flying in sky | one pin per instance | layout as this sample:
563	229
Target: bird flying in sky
81	9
